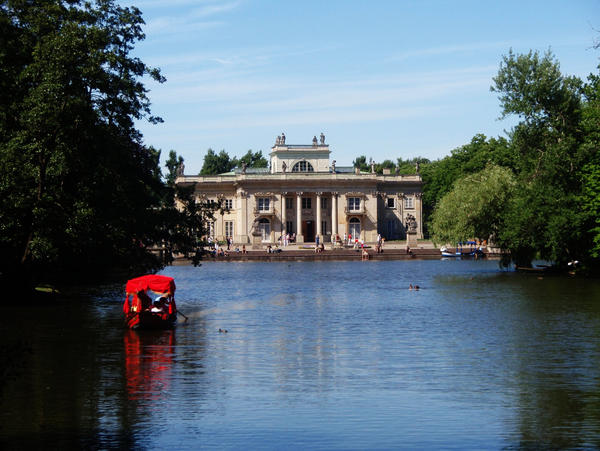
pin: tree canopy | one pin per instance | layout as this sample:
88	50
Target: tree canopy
546	173
552	213
78	189
220	163
475	207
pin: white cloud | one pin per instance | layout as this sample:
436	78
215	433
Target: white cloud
231	91
449	49
188	20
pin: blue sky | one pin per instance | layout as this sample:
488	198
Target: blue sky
385	79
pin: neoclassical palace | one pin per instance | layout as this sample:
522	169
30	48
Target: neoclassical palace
305	193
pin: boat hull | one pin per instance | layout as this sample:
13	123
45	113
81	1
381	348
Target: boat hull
151	320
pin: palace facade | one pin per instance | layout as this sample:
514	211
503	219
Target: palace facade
302	192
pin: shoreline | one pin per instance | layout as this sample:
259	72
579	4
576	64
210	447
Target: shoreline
305	252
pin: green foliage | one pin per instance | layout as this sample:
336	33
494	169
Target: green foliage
385	164
475	207
549	157
590	172
173	164
78	190
532	87
217	163
221	163
408	167
552	209
361	163
184	226
253	160
439	176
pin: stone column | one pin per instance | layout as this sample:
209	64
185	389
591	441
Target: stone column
334	213
401	209
319	227
299	236
242	218
419	214
283	213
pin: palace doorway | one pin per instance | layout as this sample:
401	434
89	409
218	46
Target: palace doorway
308	231
264	226
354	228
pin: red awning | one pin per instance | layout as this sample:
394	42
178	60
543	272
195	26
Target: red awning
158	284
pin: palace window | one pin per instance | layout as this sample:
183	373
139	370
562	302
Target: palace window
289	226
324	227
229	228
354	203
409	202
264	203
324	202
289	203
306	203
228	204
391	202
303	166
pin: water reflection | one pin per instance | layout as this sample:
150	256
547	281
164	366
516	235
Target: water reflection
318	356
148	363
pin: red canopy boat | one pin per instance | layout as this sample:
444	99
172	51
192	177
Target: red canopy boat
143	313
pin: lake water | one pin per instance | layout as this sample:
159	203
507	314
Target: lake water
331	355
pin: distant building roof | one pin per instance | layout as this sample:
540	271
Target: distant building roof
249	171
344	169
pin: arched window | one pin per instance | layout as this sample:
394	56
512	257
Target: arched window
303	166
265	229
354	228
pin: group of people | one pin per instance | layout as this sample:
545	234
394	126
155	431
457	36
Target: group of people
287	239
160	304
350	241
219	251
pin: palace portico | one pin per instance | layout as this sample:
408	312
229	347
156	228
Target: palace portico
305	194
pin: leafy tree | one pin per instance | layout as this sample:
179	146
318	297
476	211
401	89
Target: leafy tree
385	164
173	164
590	172
184	224
439	176
217	163
475	207
253	160
548	158
410	166
361	163
77	187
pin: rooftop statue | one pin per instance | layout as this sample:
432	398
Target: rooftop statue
282	141
315	141
322	138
